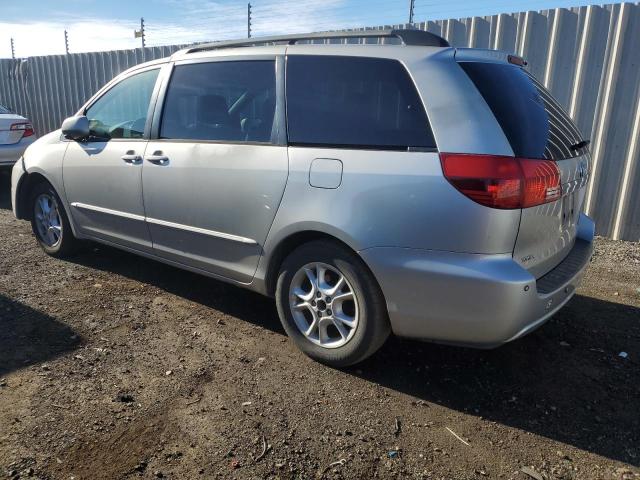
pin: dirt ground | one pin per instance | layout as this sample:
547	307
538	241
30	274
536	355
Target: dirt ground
113	366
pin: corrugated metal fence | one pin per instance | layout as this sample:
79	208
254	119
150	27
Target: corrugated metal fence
49	89
587	56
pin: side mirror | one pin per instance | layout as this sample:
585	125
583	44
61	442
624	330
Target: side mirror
75	128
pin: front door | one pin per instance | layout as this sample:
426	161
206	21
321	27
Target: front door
103	174
214	178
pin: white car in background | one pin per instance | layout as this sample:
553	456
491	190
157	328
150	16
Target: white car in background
16	134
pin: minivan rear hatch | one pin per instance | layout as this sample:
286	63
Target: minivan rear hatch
536	127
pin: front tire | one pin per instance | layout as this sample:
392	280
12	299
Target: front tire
330	304
50	223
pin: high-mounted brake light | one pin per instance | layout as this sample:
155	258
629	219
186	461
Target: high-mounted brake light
521	62
503	182
27	128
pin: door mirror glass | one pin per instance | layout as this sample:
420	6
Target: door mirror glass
75	128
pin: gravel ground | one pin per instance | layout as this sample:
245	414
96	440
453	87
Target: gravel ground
113	366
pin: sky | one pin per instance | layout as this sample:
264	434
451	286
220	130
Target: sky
38	27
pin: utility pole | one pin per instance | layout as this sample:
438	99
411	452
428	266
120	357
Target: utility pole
140	33
66	42
248	20
13	50
412	4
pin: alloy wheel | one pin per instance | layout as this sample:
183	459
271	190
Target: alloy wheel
324	305
48	221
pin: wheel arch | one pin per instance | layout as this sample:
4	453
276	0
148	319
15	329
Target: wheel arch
23	190
292	241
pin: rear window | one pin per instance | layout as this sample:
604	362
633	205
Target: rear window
354	102
4	110
532	120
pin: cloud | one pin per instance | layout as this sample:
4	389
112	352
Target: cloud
199	20
214	20
47	38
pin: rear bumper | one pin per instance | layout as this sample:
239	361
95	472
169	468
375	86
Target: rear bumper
9	154
470	299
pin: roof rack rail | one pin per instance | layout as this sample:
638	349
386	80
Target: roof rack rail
410	37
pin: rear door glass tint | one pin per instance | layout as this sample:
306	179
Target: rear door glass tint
230	101
354	102
531	119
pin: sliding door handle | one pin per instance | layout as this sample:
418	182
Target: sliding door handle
158	158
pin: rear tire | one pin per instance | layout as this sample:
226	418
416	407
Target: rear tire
50	223
330	304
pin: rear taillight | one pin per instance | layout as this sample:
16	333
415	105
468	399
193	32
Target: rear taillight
27	129
503	182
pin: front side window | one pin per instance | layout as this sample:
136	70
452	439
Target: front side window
122	111
231	101
354	101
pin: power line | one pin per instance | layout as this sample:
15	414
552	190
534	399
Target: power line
190	34
200	12
304	5
261	14
265	17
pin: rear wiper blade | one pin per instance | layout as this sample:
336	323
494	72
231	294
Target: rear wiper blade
580	145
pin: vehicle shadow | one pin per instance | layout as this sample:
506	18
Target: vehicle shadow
5	188
28	337
232	300
564	381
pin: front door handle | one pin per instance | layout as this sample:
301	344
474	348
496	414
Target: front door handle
131	157
158	158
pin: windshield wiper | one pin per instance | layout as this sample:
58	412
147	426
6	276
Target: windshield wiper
580	145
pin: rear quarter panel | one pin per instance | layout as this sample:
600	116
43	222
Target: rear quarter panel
398	199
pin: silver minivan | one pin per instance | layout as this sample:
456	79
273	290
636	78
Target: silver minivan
372	182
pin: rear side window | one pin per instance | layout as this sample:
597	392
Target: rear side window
354	102
221	101
532	120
